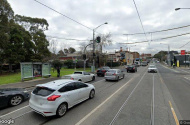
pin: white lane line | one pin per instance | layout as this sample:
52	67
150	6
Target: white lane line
14	111
116	116
94	110
153	102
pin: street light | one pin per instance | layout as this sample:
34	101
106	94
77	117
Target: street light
168	52
93	68
176	9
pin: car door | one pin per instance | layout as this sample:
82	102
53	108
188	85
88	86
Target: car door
71	93
4	99
86	76
83	91
119	73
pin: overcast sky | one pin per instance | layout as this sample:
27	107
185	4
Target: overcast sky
121	16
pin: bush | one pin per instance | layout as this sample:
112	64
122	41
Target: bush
57	63
68	63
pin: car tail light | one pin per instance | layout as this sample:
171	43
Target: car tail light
53	97
133	67
72	78
105	73
103	70
114	74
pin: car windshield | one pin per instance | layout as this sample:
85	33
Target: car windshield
111	71
106	68
152	67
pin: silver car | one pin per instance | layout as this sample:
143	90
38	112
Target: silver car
114	74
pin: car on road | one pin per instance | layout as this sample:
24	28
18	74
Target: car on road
152	68
56	97
144	63
80	76
114	74
101	71
131	68
13	96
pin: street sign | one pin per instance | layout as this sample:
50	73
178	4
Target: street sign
182	52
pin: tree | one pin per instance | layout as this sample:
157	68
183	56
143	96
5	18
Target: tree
61	53
68	63
161	55
36	27
57	63
71	50
66	51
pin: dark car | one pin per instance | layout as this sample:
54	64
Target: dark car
131	68
101	71
12	96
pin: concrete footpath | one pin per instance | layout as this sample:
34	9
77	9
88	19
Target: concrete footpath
28	84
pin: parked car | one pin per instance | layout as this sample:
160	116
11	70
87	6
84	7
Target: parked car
131	68
114	74
80	76
144	63
152	68
12	96
56	97
101	71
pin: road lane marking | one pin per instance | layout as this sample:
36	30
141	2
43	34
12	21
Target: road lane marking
14	111
152	123
174	114
94	110
116	116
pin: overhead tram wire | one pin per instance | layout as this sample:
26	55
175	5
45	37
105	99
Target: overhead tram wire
63	14
160	30
159	39
66	38
184	45
140	19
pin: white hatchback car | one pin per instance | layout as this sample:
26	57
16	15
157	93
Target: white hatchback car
56	97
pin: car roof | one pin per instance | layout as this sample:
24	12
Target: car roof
56	84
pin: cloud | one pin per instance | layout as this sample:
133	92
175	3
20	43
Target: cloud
121	16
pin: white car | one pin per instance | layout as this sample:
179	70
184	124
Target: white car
80	76
56	97
152	68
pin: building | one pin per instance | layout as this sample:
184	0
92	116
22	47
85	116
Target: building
144	56
71	56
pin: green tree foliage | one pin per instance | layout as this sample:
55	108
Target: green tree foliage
57	63
21	38
161	55
68	63
36	27
71	50
66	51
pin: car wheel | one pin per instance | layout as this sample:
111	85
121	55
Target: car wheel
93	78
80	80
61	110
16	100
127	71
106	79
92	94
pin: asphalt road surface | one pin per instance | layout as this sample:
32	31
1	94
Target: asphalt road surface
140	98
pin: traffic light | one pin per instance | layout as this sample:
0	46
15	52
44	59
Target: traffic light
98	39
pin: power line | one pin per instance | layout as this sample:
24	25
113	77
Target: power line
140	20
66	38
184	45
160	30
63	14
159	39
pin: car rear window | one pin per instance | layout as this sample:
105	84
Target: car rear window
112	71
43	91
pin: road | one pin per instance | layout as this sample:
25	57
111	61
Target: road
139	99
